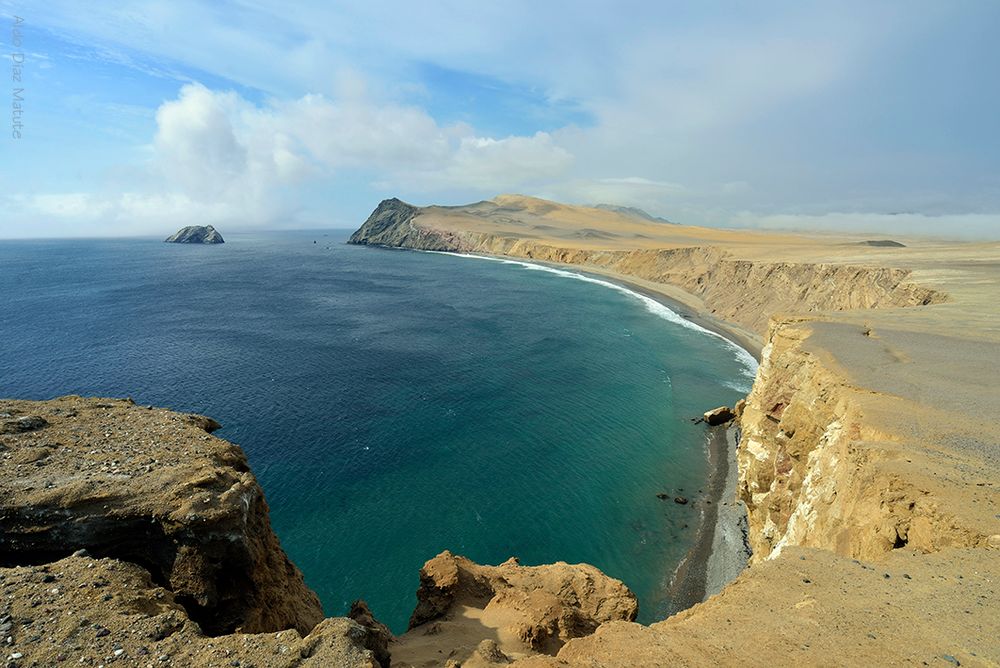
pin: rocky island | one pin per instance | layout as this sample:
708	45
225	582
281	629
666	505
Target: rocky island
868	481
196	234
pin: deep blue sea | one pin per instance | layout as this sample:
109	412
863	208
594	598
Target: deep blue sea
393	404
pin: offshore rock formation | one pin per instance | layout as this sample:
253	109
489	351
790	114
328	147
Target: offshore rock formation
151	487
196	234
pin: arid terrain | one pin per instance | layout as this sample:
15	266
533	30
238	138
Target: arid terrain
869	463
866	443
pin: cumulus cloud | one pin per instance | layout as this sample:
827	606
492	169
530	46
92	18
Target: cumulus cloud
216	157
195	144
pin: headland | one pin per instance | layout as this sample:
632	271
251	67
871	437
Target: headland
867	462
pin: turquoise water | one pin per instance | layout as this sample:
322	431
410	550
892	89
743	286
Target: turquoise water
393	404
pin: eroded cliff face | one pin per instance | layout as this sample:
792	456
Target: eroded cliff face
151	487
740	291
132	535
818	469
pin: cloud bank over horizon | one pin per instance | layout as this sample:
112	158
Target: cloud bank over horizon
834	117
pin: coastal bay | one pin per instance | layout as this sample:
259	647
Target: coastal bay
530	382
859	444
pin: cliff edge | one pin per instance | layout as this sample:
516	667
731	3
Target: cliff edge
871	478
131	534
154	488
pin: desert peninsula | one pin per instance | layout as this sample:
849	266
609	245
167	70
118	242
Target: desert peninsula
868	471
863	466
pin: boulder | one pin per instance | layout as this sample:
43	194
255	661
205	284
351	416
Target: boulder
17	425
541	606
720	415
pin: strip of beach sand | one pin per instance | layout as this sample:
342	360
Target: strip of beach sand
721	549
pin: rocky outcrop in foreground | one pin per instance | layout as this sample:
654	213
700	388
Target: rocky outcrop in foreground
82	610
151	487
524	610
196	234
131	534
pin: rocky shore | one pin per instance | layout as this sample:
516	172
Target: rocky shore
131	535
870	480
870	472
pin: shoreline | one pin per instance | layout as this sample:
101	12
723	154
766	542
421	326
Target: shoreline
732	333
721	550
730	551
680	302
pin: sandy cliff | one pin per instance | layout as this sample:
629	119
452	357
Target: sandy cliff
868	465
737	290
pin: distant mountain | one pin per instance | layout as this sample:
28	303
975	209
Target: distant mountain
634	212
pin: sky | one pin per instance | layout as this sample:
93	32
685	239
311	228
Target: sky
141	116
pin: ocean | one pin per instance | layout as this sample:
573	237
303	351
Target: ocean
394	404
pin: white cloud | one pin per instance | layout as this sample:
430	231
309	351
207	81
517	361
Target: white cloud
217	158
196	146
820	107
490	165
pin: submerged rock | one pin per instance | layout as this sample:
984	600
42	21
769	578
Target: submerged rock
196	234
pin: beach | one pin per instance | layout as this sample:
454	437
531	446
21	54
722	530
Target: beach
720	550
866	466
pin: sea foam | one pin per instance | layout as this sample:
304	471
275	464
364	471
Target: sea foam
745	359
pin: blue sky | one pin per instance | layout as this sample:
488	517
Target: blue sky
142	116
